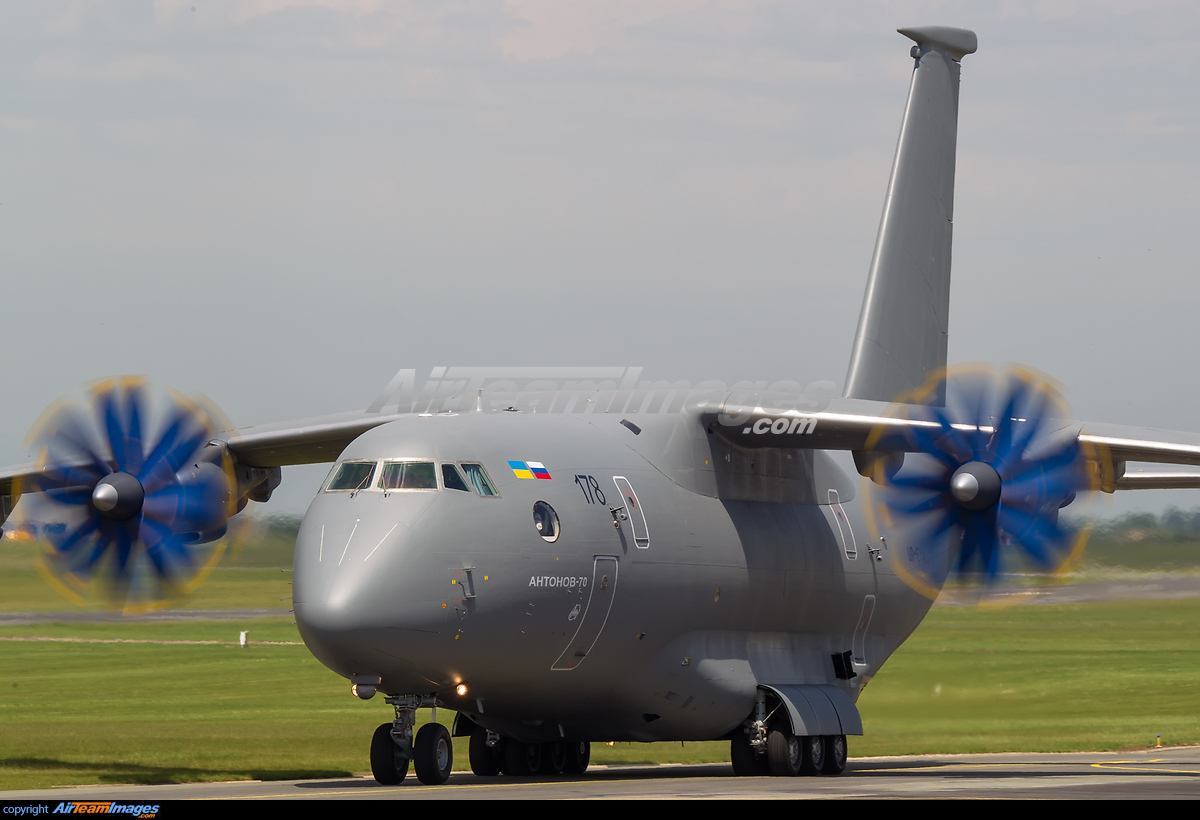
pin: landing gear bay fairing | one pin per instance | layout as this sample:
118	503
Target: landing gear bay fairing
613	559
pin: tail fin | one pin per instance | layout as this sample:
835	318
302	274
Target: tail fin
902	328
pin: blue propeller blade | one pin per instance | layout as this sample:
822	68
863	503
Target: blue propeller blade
147	553
1037	476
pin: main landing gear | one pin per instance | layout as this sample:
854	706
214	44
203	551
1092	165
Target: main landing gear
492	754
393	746
765	745
788	755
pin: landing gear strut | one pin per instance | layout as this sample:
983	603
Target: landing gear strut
393	746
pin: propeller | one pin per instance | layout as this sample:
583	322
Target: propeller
129	493
990	462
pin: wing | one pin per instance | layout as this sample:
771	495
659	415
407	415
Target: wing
873	429
866	428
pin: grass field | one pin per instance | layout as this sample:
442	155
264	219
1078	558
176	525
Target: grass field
180	701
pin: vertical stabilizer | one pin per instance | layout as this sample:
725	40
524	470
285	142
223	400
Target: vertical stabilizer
902	328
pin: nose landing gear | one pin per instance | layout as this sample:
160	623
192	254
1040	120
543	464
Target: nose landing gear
393	746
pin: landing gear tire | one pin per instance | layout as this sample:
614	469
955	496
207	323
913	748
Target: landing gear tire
554	758
784	754
579	755
835	754
745	762
433	754
522	759
814	754
485	759
388	765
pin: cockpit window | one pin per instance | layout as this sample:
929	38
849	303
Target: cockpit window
352	475
452	479
408	475
478	478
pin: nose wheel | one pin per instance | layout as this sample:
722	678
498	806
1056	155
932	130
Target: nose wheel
434	754
393	746
389	765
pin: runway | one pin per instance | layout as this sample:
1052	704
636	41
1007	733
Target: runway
1168	773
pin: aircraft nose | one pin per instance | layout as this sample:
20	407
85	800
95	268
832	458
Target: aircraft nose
347	586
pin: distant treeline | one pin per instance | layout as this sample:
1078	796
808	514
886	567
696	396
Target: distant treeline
282	526
266	541
1171	524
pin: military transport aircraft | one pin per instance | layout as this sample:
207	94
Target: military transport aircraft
574	568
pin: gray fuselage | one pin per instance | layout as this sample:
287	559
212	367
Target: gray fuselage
659	629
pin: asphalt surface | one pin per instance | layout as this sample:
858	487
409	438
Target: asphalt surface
1168	773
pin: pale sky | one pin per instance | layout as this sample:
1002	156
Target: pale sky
278	204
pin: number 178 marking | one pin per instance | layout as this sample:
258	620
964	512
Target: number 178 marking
590	488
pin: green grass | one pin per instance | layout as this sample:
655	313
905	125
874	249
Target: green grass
1151	554
1032	678
1040	678
249	576
154	713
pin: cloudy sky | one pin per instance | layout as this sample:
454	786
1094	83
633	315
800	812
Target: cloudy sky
277	204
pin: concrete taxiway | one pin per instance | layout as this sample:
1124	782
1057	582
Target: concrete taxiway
1152	773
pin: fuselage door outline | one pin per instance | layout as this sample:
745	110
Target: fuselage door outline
633	511
595	616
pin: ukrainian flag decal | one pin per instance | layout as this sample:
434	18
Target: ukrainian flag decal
531	469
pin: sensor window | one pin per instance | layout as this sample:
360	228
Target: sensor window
545	521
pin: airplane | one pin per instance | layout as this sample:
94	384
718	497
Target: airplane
601	564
